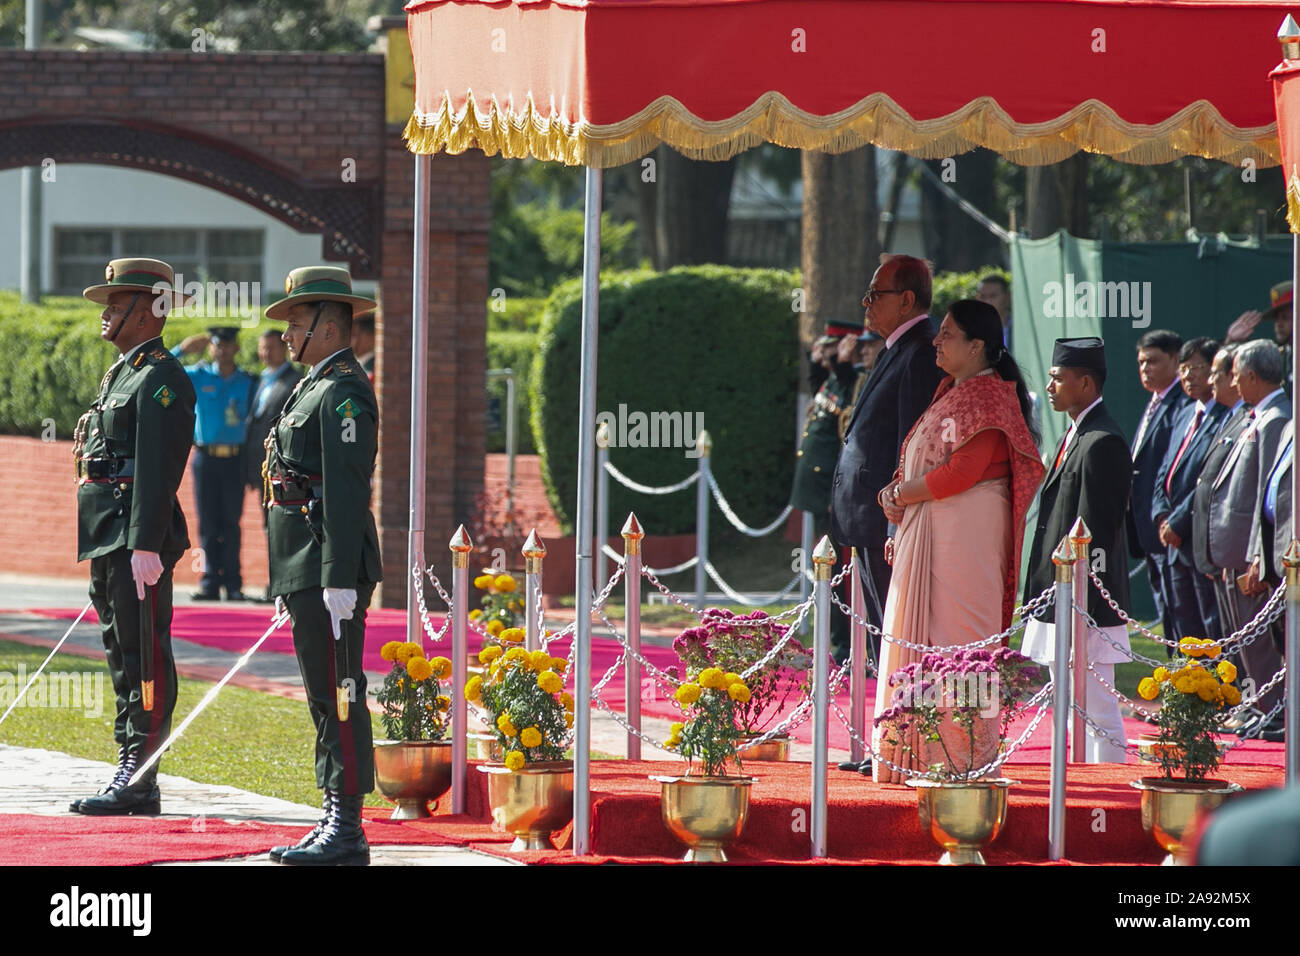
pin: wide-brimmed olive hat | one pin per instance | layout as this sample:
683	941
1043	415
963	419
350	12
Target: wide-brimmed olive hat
319	284
136	275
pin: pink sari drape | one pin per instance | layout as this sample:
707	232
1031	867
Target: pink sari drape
953	560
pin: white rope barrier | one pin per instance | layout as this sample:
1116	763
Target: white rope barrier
736	523
749	600
627	482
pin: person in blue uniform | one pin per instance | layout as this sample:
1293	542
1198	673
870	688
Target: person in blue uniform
225	398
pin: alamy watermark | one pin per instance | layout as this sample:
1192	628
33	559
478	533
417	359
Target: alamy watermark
1086	299
212	300
650	430
77	690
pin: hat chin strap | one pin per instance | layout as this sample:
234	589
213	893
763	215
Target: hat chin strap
125	315
320	307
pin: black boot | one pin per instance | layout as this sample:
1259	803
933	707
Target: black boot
140	798
120	776
326	810
341	843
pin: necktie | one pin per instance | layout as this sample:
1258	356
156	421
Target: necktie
1187	440
1065	443
1146	420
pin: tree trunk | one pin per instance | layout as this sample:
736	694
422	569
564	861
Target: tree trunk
1056	197
840	246
692	198
954	240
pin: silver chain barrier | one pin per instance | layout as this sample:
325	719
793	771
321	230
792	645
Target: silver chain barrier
435	636
675	569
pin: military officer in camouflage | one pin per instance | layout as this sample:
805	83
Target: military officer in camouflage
819	446
324	546
130	450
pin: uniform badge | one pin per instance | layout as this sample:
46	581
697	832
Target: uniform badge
138	360
108	273
342	368
159	354
164	397
348	409
288	284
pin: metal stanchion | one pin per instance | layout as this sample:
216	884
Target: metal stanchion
602	502
460	545
534	553
858	655
1063	558
805	552
1292	647
704	445
632	535
419	396
1080	538
824	566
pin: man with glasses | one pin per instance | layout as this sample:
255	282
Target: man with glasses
1191	595
898	391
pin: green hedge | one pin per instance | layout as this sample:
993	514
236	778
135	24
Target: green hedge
514	313
513	350
948	287
52	360
708	339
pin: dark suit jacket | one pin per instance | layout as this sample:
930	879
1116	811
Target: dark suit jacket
259	426
1234	497
1269	541
1175	505
1092	483
898	391
1204	495
1147	459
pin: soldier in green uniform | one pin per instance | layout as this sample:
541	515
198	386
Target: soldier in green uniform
320	456
130	450
819	447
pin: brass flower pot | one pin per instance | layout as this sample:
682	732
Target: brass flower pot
705	813
532	802
778	748
411	773
1170	806
485	746
963	816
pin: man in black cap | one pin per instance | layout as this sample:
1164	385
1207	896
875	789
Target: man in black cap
225	397
1088	478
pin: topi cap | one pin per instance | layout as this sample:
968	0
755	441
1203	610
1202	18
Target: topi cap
1080	353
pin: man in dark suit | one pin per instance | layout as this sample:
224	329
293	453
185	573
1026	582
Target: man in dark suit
898	391
1195	610
273	390
1234	500
1157	354
1089	479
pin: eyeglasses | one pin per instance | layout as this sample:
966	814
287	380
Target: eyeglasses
874	294
1198	367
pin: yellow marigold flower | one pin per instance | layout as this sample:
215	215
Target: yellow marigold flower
713	677
389	651
513	635
568	720
739	693
1207	692
515	760
406	650
476	615
419	669
516	654
443	702
539	660
671	743
675	729
515	605
733	679
506	727
559	665
1231	695
567	700
504	583
474	689
441	667
1227	671
531	737
1148	688
1190	646
483	582
1160	675
489	654
495	627
1210	649
1184	684
550	682
688	693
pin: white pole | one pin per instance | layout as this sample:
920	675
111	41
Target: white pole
805	555
858	657
632	535
585	531
460	546
1063	558
1292	635
602	502
704	445
1080	538
824	567
419	392
534	553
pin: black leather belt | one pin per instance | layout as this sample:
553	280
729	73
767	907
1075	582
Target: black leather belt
105	469
291	491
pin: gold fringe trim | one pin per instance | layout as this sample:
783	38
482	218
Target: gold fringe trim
1196	130
1293	201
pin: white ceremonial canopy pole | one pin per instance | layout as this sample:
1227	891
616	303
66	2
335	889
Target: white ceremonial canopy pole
1063	558
704	445
419	392
1292	635
460	545
632	535
602	502
585	530
858	656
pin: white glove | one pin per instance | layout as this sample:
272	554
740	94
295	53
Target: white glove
146	569
339	602
280	609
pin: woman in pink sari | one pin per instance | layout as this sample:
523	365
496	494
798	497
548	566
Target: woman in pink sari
968	471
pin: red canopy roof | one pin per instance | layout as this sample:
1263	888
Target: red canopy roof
601	82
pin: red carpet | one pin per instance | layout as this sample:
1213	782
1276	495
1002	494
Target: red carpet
236	628
867	823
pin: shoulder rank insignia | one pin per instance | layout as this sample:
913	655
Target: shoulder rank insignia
348	409
138	360
342	368
159	354
164	397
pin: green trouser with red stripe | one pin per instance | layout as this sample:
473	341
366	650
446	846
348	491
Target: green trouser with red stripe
112	589
345	761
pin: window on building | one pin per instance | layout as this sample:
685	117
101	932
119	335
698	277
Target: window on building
219	255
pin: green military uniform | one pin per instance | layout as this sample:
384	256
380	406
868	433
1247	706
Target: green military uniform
131	449
320	458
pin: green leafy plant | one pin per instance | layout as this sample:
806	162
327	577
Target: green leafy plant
412	704
709	733
1193	696
524	694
